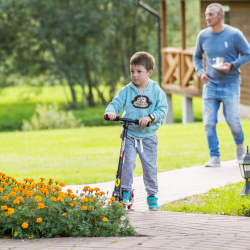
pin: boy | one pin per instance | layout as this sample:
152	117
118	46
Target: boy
144	100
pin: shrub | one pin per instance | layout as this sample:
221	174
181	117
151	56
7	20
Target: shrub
50	117
37	210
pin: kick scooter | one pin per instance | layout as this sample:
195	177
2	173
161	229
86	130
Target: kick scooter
117	193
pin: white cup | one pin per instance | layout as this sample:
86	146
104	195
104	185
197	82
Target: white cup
218	61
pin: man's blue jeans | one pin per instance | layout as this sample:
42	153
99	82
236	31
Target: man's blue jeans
229	95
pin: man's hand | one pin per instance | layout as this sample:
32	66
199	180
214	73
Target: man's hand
226	67
204	77
144	121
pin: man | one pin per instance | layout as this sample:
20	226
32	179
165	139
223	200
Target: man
221	82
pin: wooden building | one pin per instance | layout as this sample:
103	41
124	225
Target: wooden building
178	73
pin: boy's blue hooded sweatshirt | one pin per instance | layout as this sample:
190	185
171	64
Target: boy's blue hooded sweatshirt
136	105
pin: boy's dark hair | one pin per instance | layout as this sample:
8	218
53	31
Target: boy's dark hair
144	59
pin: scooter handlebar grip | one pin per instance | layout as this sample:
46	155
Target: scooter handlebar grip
108	119
148	125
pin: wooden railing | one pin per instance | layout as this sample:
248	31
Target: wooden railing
179	74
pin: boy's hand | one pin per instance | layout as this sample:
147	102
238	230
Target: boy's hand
111	116
144	121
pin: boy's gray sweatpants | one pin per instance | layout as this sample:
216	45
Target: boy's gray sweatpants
147	150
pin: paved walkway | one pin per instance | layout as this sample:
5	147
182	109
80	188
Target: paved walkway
165	230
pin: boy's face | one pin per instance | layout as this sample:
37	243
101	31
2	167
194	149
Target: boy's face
139	75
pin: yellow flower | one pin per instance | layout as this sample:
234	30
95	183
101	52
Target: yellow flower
39	220
11	210
53	198
5	198
64	214
4	207
38	198
84	208
112	198
25	225
40	205
84	199
105	219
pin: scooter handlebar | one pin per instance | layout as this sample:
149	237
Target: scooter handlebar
124	120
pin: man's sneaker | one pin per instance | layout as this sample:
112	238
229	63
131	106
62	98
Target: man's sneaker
125	196
213	162
152	203
240	151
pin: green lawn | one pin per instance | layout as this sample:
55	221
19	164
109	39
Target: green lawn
90	154
225	200
19	103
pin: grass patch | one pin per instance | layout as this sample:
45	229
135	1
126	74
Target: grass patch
225	201
19	103
90	154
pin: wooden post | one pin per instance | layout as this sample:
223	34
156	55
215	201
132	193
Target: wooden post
183	25
163	24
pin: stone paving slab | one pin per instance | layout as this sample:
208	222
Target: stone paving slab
164	230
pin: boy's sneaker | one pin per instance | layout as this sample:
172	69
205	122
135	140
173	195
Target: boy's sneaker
152	203
213	162
240	151
125	197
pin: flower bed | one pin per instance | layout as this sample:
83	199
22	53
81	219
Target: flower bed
37	210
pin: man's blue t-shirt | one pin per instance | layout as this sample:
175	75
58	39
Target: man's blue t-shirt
230	44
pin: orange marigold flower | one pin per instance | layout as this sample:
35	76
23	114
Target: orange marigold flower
57	182
38	198
20	198
86	188
90	200
73	196
84	199
57	188
25	225
39	220
105	219
91	190
48	187
11	210
42	179
62	184
243	205
69	191
109	202
12	194
84	208
16	201
4	184
60	199
15	189
99	203
97	189
64	214
112	198
120	204
53	198
5	198
4	207
97	194
1	190
40	205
